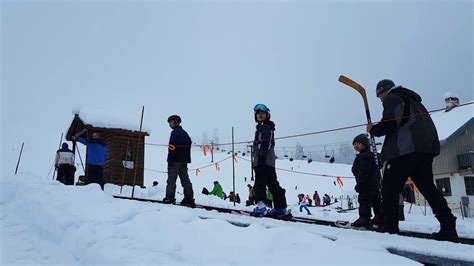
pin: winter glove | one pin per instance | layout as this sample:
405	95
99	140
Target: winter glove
261	160
359	188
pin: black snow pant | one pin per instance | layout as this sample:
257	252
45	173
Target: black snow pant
419	167
95	174
265	176
66	174
180	169
369	200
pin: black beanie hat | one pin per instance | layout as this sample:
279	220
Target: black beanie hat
362	139
384	85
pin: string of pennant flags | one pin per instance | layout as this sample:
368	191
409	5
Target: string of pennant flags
197	170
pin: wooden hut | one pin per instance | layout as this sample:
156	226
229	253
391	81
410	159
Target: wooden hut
126	151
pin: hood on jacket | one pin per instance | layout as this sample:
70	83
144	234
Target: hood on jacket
407	92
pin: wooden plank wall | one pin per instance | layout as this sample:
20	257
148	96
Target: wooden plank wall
117	144
447	161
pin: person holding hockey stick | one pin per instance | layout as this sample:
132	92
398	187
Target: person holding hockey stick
264	166
411	142
367	184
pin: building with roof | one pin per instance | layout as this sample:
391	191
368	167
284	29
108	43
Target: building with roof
453	168
124	141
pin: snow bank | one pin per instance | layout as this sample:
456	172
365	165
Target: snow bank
44	222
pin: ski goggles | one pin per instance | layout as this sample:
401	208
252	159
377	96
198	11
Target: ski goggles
261	107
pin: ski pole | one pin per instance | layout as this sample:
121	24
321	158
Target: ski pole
138	149
80	158
124	168
19	158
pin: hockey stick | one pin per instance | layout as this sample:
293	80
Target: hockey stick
356	86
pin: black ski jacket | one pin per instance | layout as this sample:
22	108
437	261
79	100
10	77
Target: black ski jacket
182	142
264	144
404	131
365	171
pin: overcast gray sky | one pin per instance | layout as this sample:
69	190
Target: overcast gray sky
211	62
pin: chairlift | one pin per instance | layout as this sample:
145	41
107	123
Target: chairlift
326	153
291	158
310	158
332	160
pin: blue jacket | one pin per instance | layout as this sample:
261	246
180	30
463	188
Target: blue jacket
96	151
182	142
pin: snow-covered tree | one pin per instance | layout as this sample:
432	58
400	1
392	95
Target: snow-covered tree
299	153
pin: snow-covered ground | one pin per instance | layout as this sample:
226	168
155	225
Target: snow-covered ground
44	222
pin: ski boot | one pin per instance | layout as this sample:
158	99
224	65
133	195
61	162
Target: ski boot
282	213
259	211
448	229
188	203
390	225
377	221
361	223
169	201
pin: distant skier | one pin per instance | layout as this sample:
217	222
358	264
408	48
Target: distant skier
411	142
251	200
264	165
303	203
217	190
179	155
317	199
326	200
65	165
310	201
367	183
96	155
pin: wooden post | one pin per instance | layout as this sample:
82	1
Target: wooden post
135	164
19	158
233	165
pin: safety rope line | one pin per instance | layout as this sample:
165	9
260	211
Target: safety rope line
318	132
302	173
191	170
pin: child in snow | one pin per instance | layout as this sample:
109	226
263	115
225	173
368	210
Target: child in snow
264	165
303	202
178	160
251	199
316	199
367	183
217	190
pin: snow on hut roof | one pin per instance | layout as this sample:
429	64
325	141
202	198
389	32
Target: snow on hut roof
447	123
122	118
450	95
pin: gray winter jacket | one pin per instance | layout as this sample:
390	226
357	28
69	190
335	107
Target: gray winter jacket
264	144
405	133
